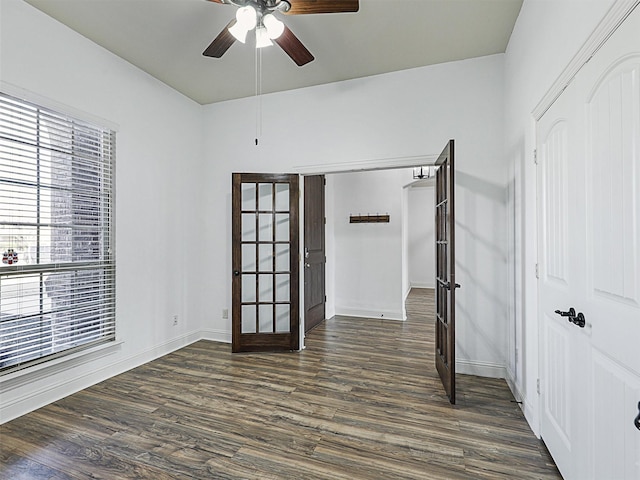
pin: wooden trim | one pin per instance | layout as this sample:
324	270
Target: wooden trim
236	235
294	259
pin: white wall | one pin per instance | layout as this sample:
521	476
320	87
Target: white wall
368	256
421	229
158	156
546	36
401	114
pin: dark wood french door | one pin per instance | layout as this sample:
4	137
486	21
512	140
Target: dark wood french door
314	251
445	272
265	259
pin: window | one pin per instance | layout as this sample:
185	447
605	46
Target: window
57	276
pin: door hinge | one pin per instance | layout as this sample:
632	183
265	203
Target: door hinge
325	220
538	386
325	299
537	271
535	156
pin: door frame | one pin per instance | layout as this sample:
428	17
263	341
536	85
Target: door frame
390	163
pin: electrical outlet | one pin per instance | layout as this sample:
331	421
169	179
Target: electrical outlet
225	313
175	320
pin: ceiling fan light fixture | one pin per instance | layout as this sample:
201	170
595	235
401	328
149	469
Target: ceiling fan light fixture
262	37
239	32
274	26
247	17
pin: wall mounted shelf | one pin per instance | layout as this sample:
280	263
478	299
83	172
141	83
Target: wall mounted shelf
368	218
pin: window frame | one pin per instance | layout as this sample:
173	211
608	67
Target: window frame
104	266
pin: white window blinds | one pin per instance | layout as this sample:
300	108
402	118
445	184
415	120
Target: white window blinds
57	276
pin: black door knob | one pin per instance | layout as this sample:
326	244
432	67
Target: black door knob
236	273
636	422
578	319
571	313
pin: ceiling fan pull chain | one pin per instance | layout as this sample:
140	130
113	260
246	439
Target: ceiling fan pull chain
258	94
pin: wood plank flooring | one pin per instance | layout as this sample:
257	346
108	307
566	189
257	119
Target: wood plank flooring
363	401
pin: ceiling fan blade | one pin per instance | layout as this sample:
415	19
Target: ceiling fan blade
303	7
222	1
294	47
221	43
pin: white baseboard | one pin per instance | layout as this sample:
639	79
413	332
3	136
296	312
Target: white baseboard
423	285
406	294
481	369
525	406
214	335
378	314
21	405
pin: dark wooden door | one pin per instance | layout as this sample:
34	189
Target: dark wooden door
265	251
445	272
314	251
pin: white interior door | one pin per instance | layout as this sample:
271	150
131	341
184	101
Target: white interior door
609	89
589	237
564	344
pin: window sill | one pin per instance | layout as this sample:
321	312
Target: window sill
46	369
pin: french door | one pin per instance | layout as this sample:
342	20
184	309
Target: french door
445	272
265	256
589	263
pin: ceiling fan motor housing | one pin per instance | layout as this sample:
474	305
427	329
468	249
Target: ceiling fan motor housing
263	5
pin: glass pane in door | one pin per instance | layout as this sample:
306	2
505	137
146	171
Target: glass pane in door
265	200
266	288
282	288
248	319
266	257
248	288
248	257
266	318
282	227
282	197
248	227
248	196
265	222
282	257
282	318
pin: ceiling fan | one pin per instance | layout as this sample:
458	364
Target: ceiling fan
258	15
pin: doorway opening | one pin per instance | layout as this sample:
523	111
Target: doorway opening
368	252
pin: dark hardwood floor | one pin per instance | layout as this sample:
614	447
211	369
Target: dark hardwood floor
363	401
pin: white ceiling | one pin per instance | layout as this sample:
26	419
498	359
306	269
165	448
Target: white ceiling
166	39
